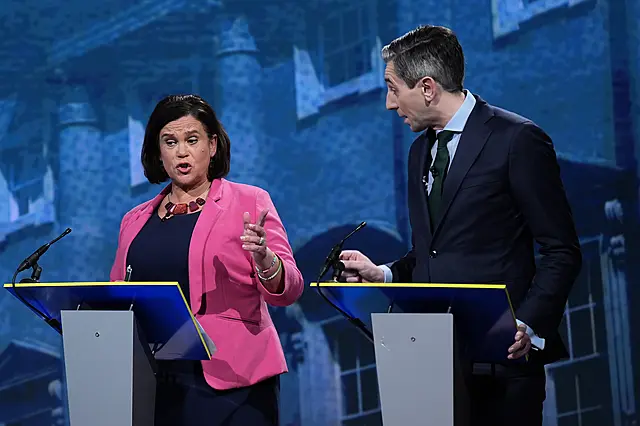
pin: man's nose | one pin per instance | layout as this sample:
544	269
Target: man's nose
391	102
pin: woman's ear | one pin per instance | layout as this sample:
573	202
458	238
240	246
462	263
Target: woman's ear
213	145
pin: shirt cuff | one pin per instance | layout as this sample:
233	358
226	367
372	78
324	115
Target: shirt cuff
536	341
388	275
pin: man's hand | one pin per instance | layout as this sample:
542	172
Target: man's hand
359	269
522	346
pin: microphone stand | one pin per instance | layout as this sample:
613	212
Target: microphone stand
32	262
36	270
333	261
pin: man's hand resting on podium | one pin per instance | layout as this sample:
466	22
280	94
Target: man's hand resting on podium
359	269
522	344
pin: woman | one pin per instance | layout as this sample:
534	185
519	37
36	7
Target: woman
225	245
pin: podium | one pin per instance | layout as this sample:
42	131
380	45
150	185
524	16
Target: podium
113	332
422	352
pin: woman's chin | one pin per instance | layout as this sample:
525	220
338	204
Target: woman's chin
188	180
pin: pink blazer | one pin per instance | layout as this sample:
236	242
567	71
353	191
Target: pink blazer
226	295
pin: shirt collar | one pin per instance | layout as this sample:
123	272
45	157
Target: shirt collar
459	119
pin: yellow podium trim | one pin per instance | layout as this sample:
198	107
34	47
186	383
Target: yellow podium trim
91	284
411	285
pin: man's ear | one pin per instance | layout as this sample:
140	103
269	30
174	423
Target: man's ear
428	88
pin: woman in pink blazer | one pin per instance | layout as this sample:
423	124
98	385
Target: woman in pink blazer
225	245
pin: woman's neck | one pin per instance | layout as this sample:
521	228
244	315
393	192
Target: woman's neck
184	195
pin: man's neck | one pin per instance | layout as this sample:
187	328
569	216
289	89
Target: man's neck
449	104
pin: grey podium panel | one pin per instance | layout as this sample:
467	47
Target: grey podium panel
415	367
110	380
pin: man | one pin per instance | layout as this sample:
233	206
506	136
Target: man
484	184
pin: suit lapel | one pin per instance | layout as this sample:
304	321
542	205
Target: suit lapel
472	140
205	223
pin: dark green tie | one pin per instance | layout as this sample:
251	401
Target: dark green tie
439	172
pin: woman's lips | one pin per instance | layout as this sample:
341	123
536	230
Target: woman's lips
184	168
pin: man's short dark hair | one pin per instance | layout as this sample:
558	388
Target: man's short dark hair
427	51
172	108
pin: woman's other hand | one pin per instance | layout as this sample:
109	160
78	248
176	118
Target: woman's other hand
254	239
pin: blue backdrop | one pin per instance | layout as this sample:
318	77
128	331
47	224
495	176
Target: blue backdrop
298	85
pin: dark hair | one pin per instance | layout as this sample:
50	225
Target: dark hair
172	108
427	51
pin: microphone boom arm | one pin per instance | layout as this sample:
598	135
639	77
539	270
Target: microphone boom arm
333	260
32	262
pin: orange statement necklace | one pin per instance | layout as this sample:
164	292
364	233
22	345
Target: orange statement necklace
182	208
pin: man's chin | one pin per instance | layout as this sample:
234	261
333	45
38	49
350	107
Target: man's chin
416	128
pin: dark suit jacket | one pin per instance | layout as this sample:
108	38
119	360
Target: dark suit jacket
502	192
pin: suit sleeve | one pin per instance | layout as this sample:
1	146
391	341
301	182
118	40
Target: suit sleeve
278	242
402	269
536	185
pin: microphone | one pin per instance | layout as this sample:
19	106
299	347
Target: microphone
334	254
338	269
332	260
434	171
32	260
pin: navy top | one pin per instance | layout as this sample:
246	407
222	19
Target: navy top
160	251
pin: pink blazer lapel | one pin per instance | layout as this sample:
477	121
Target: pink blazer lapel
208	218
138	222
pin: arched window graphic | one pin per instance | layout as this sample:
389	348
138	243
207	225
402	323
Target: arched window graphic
350	368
